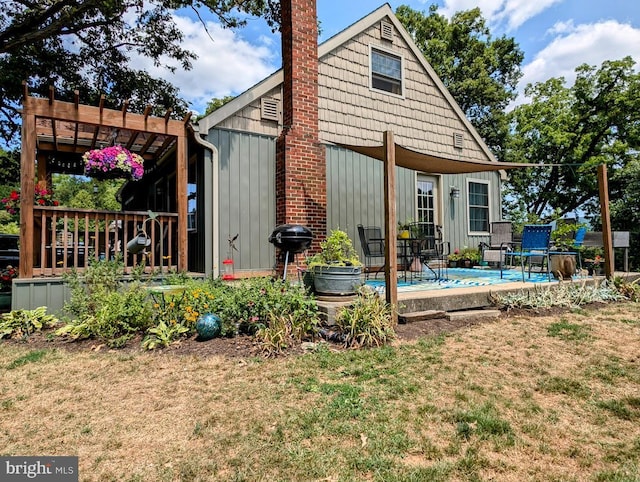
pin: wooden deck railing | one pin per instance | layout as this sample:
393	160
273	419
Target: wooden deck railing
65	238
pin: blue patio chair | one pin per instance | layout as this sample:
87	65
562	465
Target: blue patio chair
535	245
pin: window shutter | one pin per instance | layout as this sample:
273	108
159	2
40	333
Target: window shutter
269	109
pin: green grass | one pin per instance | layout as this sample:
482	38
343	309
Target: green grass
571	387
496	401
568	331
34	356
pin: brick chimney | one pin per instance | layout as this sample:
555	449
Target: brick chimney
301	180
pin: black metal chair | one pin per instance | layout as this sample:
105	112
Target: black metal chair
427	245
372	241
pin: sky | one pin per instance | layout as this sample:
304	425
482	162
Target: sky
556	36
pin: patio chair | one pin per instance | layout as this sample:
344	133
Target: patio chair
534	247
427	245
372	242
500	242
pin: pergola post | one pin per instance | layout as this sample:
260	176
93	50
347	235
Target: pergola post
27	189
181	187
607	241
390	246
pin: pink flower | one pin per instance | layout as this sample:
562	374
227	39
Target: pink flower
114	158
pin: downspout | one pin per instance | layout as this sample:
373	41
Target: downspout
212	237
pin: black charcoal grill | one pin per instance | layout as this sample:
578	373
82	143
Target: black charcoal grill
290	239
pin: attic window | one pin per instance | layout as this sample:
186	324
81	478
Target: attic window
386	31
386	71
458	140
269	109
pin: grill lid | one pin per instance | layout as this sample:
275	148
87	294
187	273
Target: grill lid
294	238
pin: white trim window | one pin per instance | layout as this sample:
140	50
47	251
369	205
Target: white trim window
478	205
386	71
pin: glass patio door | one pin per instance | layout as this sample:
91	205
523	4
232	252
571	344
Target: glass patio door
427	195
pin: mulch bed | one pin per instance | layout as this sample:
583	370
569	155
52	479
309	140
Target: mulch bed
243	346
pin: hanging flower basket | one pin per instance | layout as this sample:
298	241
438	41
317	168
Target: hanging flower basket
113	162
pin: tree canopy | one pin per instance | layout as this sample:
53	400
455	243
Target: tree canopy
480	72
215	103
576	128
87	45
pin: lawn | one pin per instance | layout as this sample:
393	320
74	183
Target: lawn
518	398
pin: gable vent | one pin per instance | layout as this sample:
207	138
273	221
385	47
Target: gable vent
269	109
458	140
386	31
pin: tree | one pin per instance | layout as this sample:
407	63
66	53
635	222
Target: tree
625	210
9	168
480	72
80	192
215	103
87	45
576	128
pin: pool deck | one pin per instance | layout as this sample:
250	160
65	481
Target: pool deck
455	299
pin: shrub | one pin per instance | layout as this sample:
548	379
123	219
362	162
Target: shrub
336	250
103	307
291	317
367	322
251	303
275	311
568	295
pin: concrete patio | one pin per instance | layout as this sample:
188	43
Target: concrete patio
458	293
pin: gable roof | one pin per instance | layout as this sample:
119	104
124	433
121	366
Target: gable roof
277	78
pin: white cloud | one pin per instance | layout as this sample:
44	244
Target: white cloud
576	45
561	27
226	63
508	13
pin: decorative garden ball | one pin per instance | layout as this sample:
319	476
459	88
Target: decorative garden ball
208	326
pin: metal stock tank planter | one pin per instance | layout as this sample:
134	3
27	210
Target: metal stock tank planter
336	280
336	269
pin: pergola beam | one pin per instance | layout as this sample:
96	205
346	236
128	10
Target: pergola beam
86	114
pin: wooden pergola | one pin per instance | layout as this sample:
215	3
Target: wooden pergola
55	135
